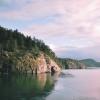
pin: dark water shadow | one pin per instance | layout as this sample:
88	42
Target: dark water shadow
26	87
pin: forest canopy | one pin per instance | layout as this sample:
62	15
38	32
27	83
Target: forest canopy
13	40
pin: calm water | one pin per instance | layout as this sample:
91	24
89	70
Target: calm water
72	85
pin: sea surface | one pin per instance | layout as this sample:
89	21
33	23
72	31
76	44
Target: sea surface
69	85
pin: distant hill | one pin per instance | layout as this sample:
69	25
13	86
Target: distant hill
90	63
68	63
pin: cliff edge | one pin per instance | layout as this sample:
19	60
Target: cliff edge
24	54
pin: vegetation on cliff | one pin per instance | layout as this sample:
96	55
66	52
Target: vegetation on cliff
22	54
15	41
71	63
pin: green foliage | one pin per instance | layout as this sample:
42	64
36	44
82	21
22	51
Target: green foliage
90	63
12	41
63	63
67	63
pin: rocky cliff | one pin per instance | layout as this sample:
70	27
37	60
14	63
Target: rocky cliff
45	64
27	63
19	53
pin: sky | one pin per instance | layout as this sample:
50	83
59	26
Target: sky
70	27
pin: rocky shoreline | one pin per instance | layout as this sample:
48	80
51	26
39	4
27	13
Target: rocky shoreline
13	62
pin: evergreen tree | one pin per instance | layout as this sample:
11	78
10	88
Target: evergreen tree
13	40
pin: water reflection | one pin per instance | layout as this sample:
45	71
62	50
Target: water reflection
82	85
26	87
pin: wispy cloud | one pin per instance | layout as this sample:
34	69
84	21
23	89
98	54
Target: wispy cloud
70	27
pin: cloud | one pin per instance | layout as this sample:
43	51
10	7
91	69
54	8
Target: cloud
34	8
79	53
70	27
71	20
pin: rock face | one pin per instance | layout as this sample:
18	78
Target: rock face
41	64
45	64
28	64
54	64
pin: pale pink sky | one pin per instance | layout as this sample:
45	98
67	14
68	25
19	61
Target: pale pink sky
70	27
